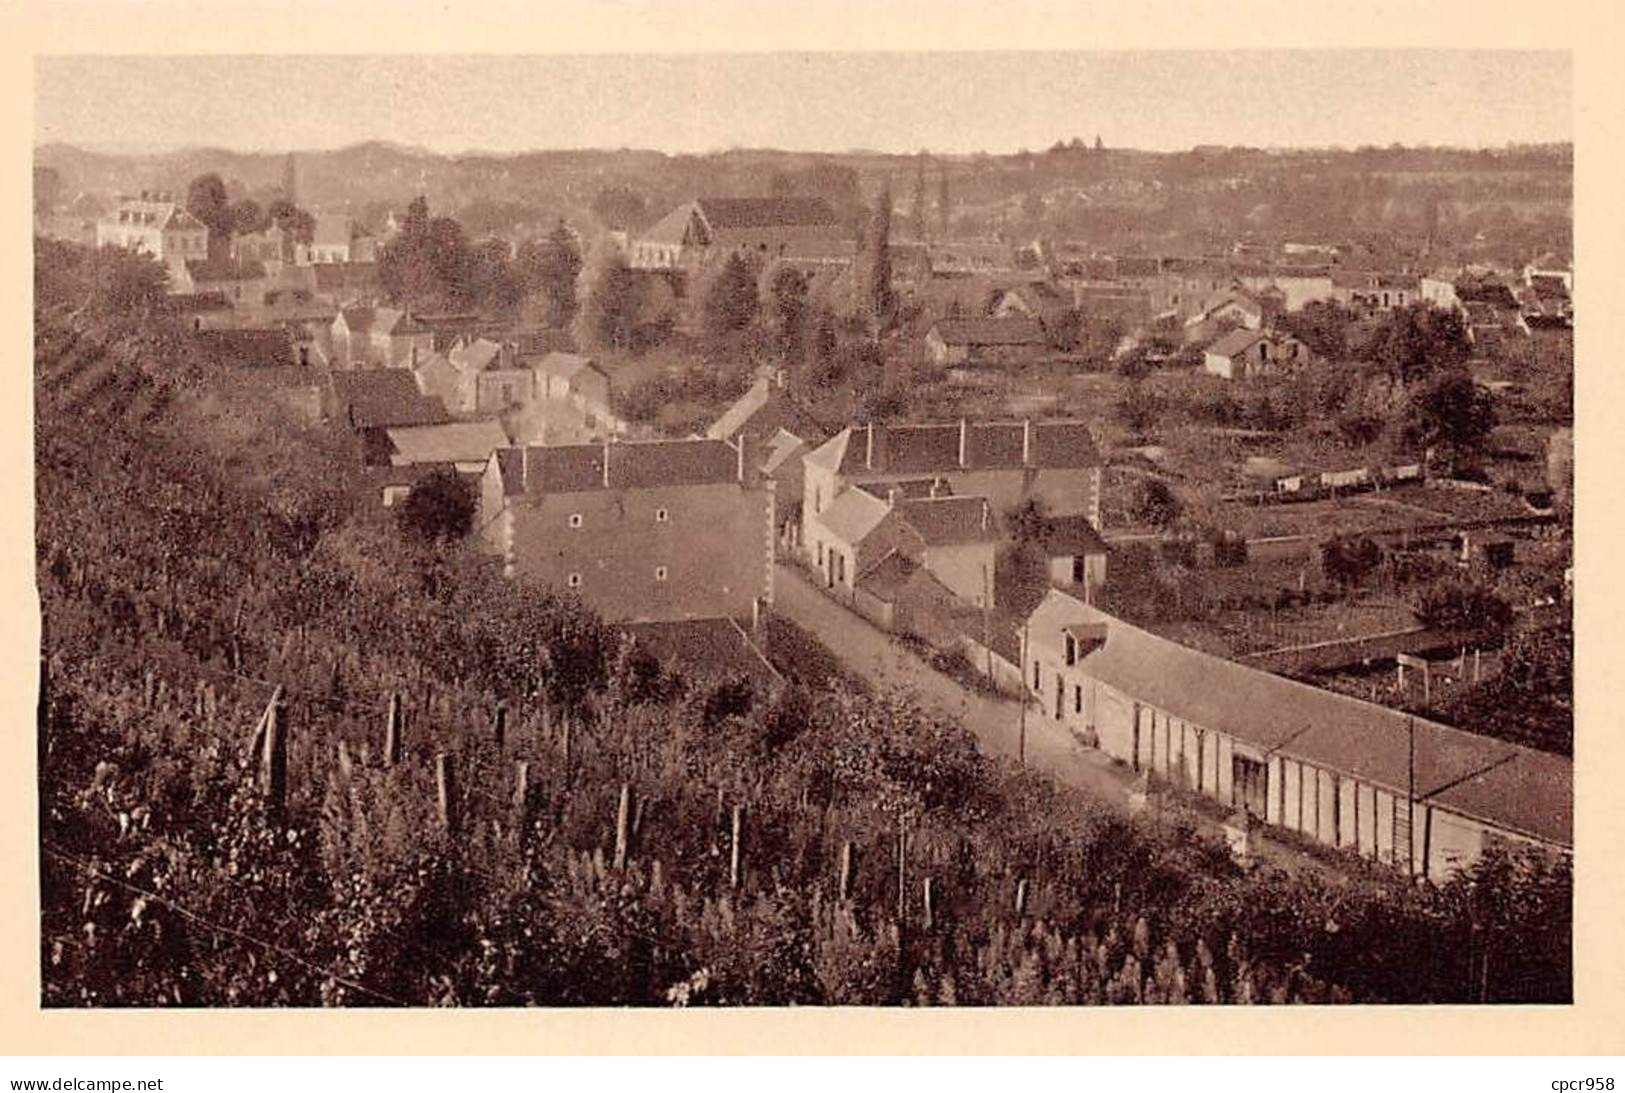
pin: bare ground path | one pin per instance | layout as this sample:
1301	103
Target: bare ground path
995	722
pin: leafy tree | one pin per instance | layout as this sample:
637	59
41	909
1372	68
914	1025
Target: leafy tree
440	508
1415	342
1349	560
297	222
206	199
247	217
880	303
553	270
1156	504
614	305
731	303
493	283
1322	325
1451	411
1462	605
1026	521
1139	408
789	292
821	354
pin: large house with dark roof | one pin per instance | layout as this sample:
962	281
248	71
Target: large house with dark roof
643	531
155	223
708	227
1053	462
1414	794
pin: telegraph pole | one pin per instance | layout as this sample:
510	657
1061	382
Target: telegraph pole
1021	740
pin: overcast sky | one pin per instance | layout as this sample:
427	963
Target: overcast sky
945	102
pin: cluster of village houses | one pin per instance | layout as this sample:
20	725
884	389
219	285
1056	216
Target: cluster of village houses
679	539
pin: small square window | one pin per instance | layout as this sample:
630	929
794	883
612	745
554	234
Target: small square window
662	516
573	580
575	519
660	572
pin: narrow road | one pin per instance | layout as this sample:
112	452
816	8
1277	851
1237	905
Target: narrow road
995	722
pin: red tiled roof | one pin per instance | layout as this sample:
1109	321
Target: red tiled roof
639	464
381	397
247	348
945	521
766	212
925	449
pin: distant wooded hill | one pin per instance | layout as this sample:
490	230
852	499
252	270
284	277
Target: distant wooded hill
1513	198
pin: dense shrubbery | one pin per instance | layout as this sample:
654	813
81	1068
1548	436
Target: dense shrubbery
183	572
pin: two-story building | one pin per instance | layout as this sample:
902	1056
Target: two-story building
1055	463
643	531
155	223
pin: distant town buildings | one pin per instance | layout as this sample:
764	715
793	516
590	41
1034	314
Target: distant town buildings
770	227
155	223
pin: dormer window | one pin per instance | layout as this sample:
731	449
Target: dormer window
575	519
662	516
573	580
660	573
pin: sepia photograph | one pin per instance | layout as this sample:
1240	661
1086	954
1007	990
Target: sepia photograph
805	529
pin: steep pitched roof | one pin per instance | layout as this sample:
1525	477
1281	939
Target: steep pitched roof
765	212
1504	784
853	515
1014	330
1235	342
451	442
381	397
633	464
946	521
763	410
247	348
